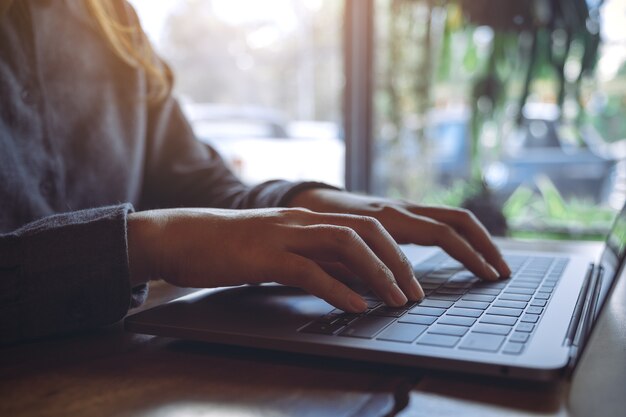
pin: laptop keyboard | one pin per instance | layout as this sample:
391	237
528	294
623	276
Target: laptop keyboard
459	310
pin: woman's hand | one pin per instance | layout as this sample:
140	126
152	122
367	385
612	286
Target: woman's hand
212	248
307	249
456	231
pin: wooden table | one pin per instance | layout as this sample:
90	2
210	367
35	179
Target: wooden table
109	372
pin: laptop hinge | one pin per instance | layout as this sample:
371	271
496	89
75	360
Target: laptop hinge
584	313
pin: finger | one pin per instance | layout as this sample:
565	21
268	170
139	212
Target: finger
343	244
339	271
298	271
429	232
466	224
384	246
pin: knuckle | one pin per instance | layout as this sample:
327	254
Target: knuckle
293	212
371	222
343	235
465	215
389	210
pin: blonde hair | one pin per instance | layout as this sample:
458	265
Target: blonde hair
130	43
125	37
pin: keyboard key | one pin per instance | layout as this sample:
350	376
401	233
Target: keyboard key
501	311
530	274
542	296
533	274
457	321
485	291
519	337
427	311
510	304
427	286
546	288
534	310
421	270
453	291
479	297
402	332
465	277
492	284
482	341
491	329
515	290
441	274
464	312
367	327
449	330
472	304
538	303
447	297
460	284
530	318
436	303
525	327
433	280
417	319
515	297
438	340
524	284
388	311
527	279
513	348
504	320
373	303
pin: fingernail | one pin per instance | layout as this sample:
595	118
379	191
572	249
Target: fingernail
490	273
416	290
357	303
398	296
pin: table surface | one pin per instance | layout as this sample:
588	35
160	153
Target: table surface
110	372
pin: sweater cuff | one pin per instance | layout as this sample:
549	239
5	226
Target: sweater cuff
278	193
303	186
73	273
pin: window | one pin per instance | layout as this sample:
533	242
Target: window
511	111
260	80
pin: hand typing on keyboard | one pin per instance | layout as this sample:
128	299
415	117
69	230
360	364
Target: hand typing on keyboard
334	233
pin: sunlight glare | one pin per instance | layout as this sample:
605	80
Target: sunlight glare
237	12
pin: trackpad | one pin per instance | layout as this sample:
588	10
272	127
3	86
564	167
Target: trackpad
250	309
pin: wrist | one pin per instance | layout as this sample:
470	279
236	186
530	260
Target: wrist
141	238
316	199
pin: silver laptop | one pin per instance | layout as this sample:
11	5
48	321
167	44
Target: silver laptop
531	326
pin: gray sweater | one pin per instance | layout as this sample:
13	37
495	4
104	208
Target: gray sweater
80	148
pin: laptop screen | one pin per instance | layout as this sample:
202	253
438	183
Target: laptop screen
613	256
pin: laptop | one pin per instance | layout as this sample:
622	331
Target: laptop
532	326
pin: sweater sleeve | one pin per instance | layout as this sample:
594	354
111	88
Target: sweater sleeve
65	273
180	171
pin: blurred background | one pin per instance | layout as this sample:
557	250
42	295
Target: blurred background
513	109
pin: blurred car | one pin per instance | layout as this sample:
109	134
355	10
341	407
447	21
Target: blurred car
448	135
577	161
444	147
255	143
542	146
